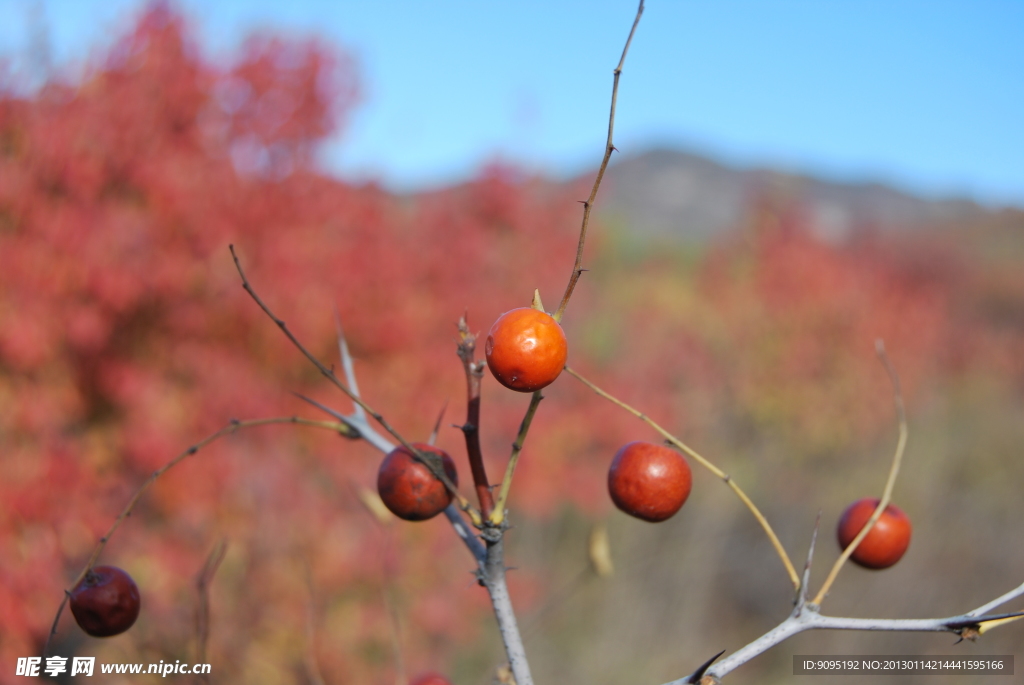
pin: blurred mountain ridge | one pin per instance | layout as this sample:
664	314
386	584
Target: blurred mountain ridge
675	193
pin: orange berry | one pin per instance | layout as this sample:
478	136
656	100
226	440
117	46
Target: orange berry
526	349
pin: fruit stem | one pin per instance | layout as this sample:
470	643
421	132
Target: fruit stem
779	549
471	428
901	444
498	515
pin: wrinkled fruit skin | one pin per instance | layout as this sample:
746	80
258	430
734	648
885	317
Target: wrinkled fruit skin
408	487
885	544
430	679
648	481
106	602
526	349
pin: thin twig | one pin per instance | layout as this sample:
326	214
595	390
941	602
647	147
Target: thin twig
396	636
233	426
608	149
998	601
779	549
474	371
427	460
203	580
498	515
901	444
437	425
312	663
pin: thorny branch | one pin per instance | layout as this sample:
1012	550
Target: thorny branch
489	554
806	617
428	460
609	147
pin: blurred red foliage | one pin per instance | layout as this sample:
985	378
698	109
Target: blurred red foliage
126	337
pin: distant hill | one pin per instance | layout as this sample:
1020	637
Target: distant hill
668	192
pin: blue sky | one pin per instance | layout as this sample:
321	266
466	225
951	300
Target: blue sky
925	94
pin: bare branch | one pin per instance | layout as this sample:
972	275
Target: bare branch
474	545
426	460
810	619
609	147
474	371
498	515
998	601
203	580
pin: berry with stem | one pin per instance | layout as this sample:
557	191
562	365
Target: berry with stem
887	540
526	349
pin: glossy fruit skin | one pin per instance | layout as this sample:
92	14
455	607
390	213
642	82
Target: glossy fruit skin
106	602
648	481
430	679
526	349
887	541
408	487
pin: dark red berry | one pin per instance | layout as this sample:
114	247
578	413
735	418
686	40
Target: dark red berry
105	602
409	488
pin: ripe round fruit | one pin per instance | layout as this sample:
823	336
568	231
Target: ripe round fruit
430	679
409	488
106	602
526	349
648	481
887	540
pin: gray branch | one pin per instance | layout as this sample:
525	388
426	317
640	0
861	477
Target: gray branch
807	617
492	576
489	557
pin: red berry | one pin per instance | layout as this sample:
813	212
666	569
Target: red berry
430	679
526	349
887	540
648	481
105	602
409	488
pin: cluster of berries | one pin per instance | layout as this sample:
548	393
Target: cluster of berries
526	351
